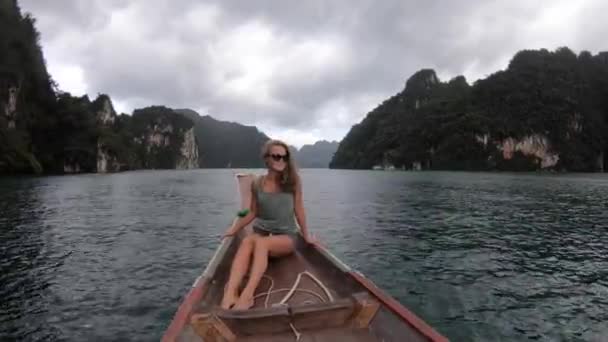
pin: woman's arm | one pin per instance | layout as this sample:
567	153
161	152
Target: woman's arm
299	210
239	223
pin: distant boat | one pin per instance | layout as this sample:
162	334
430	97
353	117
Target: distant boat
309	295
384	167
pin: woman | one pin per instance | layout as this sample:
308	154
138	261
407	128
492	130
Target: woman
276	197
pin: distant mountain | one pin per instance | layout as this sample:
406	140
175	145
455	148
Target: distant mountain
226	144
230	144
317	155
546	110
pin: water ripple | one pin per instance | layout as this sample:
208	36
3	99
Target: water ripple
481	257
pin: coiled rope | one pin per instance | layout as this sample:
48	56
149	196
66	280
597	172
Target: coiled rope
291	291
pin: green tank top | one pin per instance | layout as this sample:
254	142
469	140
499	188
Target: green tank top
275	210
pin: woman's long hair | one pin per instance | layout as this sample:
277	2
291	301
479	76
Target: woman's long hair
289	176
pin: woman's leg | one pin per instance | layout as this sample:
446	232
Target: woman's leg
276	246
240	264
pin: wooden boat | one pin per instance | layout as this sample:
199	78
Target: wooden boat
308	296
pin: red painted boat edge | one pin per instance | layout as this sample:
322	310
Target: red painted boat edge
399	309
180	319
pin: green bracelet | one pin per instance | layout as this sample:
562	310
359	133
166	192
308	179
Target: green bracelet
243	213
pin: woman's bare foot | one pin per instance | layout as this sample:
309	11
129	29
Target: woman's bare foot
244	302
230	298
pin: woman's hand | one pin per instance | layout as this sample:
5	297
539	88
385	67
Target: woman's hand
311	239
230	232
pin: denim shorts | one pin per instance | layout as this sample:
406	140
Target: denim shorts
297	241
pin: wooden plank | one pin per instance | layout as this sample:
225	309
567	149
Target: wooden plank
366	310
339	335
211	329
276	320
189	335
400	310
327	335
323	315
252	313
256	321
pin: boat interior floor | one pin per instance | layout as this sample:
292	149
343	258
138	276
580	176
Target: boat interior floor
327	335
332	309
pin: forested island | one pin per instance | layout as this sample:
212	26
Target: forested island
44	130
547	111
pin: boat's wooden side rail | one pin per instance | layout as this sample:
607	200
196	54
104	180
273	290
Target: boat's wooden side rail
354	312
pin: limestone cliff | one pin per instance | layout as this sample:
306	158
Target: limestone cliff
105	113
225	144
537	146
157	136
9	93
546	110
71	167
165	139
46	130
27	98
107	159
152	138
188	158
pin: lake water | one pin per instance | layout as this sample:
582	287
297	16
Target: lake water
481	257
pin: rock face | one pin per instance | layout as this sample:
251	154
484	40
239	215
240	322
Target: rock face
158	136
106	117
11	108
46	130
106	161
188	158
482	139
9	94
106	114
533	145
546	110
225	144
71	168
165	139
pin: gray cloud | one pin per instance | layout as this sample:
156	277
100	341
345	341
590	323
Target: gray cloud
310	68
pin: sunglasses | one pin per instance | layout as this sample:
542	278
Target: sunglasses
278	157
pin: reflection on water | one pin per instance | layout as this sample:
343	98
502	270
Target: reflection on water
482	257
26	264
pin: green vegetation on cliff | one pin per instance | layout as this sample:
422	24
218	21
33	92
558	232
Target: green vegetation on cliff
546	110
44	130
39	129
159	132
23	76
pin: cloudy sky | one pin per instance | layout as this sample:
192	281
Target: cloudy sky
299	70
